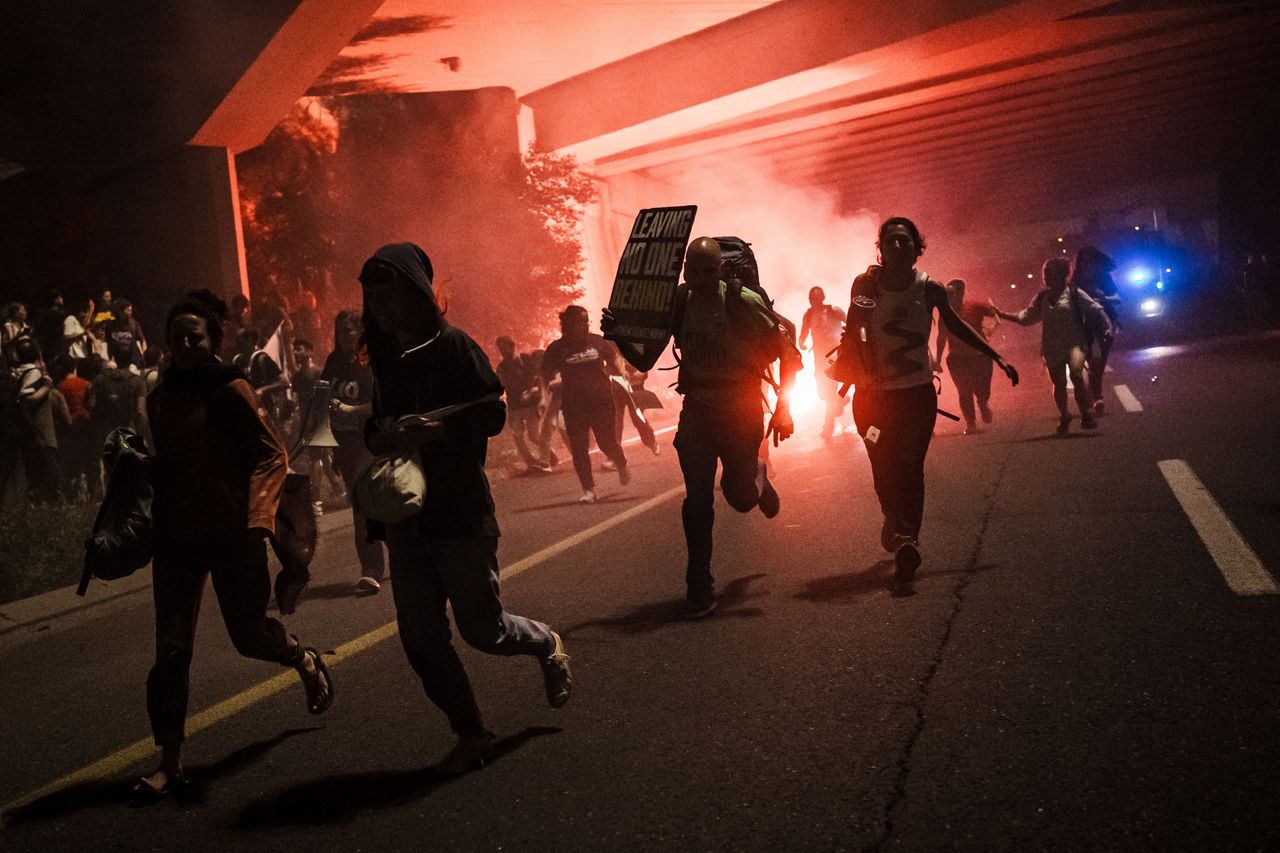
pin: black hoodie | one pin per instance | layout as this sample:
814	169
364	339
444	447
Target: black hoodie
449	369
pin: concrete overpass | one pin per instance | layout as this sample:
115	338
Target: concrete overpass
982	118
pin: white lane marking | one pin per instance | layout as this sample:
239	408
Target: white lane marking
1127	399
1239	565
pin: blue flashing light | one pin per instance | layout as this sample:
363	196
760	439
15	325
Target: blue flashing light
1139	275
1149	307
1159	285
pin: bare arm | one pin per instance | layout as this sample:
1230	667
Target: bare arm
937	296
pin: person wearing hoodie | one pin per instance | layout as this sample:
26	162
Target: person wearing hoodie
447	552
218	473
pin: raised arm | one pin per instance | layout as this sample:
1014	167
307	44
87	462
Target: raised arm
937	297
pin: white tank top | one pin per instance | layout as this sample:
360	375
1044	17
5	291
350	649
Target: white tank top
899	324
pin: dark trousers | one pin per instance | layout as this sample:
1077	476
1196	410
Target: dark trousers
351	457
425	573
597	420
238	563
973	381
707	435
905	420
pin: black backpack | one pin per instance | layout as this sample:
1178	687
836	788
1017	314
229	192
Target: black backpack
738	261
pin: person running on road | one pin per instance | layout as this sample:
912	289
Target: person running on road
727	339
825	322
350	405
447	552
1069	317
970	369
218	474
519	375
1091	273
895	405
585	362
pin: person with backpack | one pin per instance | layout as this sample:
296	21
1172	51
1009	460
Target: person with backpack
117	398
584	362
1069	317
825	322
519	375
265	375
884	352
1091	274
447	551
726	339
218	474
37	433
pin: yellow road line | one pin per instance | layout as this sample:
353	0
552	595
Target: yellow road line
121	760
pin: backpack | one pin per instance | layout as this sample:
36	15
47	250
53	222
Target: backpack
123	532
114	399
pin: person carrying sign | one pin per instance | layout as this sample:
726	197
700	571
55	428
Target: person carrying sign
726	339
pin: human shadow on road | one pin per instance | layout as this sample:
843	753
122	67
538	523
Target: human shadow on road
115	792
607	499
844	586
339	799
655	615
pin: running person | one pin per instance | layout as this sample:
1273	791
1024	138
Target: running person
585	363
218	473
970	370
727	339
895	405
1068	316
447	552
825	323
1091	273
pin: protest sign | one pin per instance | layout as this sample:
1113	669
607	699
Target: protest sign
645	286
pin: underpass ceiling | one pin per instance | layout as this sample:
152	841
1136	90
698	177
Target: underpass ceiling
998	103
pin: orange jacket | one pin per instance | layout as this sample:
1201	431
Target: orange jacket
219	466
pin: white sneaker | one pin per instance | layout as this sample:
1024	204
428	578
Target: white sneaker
588	497
608	465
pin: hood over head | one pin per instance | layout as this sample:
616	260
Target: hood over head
408	259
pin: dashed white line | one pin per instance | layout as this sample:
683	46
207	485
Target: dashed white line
1239	565
1126	398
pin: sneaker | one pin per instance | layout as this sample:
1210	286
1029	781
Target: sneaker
1064	424
1088	421
770	503
541	468
701	604
469	753
588	497
556	675
971	428
608	465
1099	407
986	413
367	586
906	559
624	475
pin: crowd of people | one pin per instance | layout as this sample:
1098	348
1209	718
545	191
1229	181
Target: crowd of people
219	426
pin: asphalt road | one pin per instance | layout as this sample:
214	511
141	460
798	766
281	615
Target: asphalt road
1073	672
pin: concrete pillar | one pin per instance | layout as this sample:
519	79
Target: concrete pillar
173	226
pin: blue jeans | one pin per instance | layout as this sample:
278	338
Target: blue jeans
425	573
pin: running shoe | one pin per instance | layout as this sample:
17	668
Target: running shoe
608	465
700	604
1099	407
1064	424
367	586
556	675
906	559
770	503
588	497
1088	421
